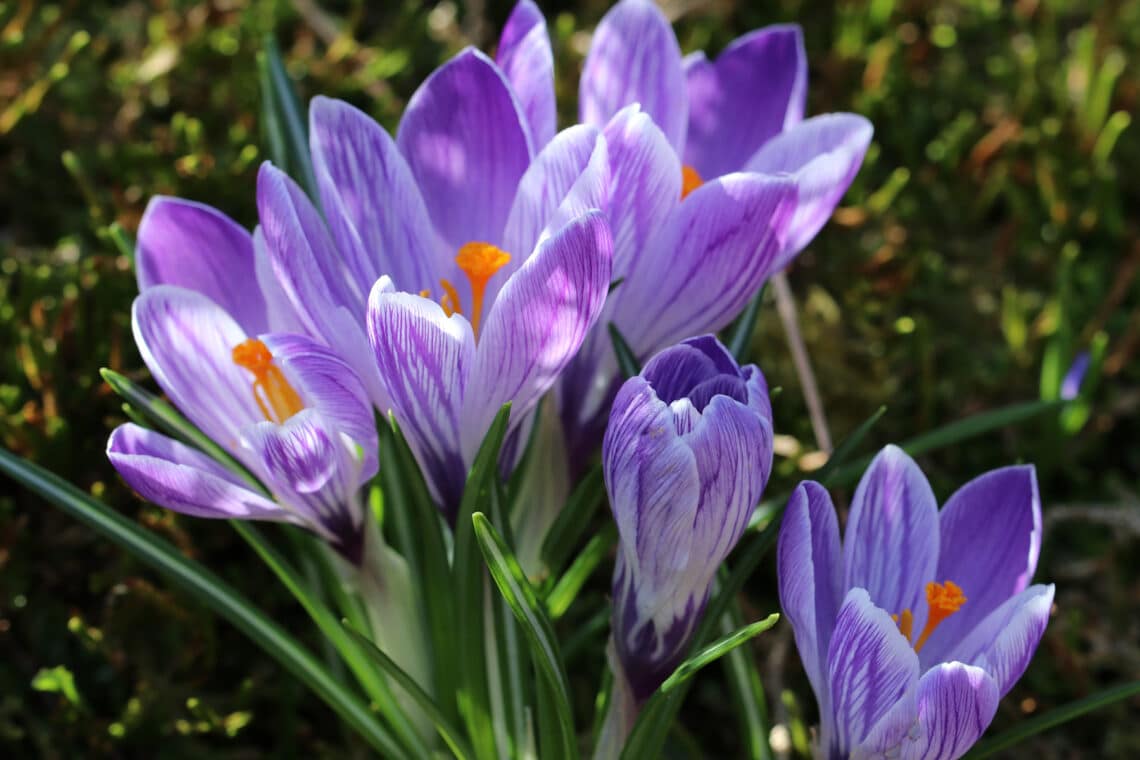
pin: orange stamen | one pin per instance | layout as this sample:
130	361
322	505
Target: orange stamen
944	599
479	261
271	390
690	180
450	300
906	623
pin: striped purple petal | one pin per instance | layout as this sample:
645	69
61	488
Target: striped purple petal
525	57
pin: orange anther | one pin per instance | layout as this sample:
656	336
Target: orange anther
271	390
690	180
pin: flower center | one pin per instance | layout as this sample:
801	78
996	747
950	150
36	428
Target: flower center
272	392
480	262
690	180
943	599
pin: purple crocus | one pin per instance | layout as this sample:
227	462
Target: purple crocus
288	409
717	183
686	457
915	626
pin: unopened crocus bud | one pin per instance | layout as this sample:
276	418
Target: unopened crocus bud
686	455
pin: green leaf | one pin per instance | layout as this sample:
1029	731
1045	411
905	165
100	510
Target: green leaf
272	128
748	692
287	110
212	592
468	584
419	533
565	591
58	680
523	601
656	718
740	334
626	359
573	520
845	449
1052	719
450	734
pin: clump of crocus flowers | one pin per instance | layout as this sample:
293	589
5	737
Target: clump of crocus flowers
482	258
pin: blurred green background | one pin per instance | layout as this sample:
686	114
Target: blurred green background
991	236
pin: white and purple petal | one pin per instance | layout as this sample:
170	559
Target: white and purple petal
753	91
525	57
1004	643
956	703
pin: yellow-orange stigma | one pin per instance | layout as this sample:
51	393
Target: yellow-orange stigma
690	180
272	392
480	262
943	600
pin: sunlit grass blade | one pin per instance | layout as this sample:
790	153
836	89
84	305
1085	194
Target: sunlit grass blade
739	334
1052	719
467	584
656	718
450	733
573	520
294	133
519	594
626	359
212	592
563	593
419	536
515	695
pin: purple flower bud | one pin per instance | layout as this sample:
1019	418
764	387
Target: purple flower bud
687	454
1071	385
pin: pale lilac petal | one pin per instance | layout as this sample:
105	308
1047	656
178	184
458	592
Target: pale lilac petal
956	703
990	533
537	324
187	342
568	178
525	57
197	247
280	314
1075	377
375	211
752	92
891	544
175	476
810	574
329	302
1004	643
634	58
870	667
705	263
464	137
425	359
315	471
822	155
326	383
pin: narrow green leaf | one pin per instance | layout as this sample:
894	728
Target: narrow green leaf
748	693
715	651
211	591
1052	719
288	110
274	131
565	590
468	583
845	449
450	733
516	589
573	520
117	236
626	359
510	660
419	536
740	334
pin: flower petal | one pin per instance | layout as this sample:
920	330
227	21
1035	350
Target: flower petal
466	142
197	247
634	58
327	384
823	154
175	476
1004	643
374	208
810	574
891	544
990	533
753	91
425	358
705	263
956	703
537	324
187	342
870	667
326	296
525	57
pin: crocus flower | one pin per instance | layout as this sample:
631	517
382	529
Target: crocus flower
686	456
915	626
488	262
717	183
1075	376
288	409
